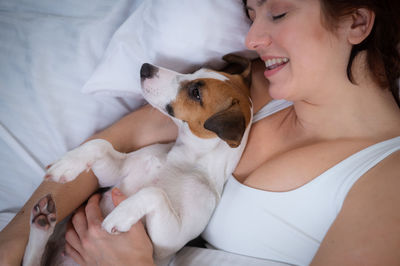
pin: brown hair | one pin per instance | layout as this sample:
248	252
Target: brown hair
382	44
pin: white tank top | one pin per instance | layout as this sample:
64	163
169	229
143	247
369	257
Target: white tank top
287	226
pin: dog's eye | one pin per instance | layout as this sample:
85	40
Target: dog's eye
194	92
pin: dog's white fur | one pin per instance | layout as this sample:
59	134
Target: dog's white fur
174	187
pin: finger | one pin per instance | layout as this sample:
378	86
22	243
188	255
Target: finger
117	196
94	215
79	222
70	251
139	225
72	238
139	233
138	229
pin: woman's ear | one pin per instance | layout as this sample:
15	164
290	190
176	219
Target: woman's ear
362	21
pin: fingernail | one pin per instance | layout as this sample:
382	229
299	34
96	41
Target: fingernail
117	192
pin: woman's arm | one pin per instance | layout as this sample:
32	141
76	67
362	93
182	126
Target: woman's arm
138	129
367	229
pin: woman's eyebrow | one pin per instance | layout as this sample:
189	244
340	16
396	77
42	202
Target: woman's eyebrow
261	2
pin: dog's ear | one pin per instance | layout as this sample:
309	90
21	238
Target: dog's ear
238	65
228	124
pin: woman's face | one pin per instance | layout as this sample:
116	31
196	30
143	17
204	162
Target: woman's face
300	54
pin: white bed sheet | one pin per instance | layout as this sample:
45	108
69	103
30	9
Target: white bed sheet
193	256
48	50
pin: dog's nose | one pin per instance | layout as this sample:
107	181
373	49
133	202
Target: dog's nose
147	71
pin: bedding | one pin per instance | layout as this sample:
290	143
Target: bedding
178	35
70	68
47	51
193	256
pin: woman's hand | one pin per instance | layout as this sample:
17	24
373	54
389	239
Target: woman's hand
88	244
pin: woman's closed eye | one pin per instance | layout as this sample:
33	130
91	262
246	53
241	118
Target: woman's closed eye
279	16
251	14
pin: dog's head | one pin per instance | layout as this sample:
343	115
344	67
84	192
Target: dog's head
212	103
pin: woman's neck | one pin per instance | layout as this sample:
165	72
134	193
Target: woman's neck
348	111
340	110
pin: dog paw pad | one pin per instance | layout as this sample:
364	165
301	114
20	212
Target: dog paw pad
44	213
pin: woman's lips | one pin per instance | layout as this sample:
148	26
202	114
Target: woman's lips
273	65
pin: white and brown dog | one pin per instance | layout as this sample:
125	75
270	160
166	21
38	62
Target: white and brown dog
173	187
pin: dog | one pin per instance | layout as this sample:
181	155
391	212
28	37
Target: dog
174	188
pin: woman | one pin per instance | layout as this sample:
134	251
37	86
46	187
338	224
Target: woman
306	176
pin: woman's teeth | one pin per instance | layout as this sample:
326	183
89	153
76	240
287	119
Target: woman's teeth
274	63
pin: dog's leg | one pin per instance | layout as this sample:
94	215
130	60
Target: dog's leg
168	227
135	207
151	202
98	154
43	221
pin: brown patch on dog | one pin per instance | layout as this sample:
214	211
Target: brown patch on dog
229	99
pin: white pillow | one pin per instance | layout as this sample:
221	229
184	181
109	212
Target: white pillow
181	35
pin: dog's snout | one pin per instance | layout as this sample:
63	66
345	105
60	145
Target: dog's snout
170	110
147	71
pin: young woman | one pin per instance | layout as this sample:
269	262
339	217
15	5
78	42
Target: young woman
319	180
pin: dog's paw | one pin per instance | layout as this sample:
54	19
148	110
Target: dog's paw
76	161
66	170
120	220
43	216
69	167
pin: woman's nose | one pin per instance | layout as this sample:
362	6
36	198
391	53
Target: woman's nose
257	37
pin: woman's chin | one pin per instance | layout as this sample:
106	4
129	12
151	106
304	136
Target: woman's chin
278	93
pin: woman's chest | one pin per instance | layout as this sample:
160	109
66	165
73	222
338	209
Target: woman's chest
276	161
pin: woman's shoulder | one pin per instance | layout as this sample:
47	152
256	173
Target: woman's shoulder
367	226
384	178
382	161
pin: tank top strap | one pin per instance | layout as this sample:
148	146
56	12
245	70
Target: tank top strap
357	165
271	108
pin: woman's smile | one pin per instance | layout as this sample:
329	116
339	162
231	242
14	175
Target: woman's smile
274	65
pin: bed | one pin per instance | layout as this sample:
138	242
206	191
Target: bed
70	68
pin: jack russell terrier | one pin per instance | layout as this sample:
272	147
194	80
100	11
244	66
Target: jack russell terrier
173	187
